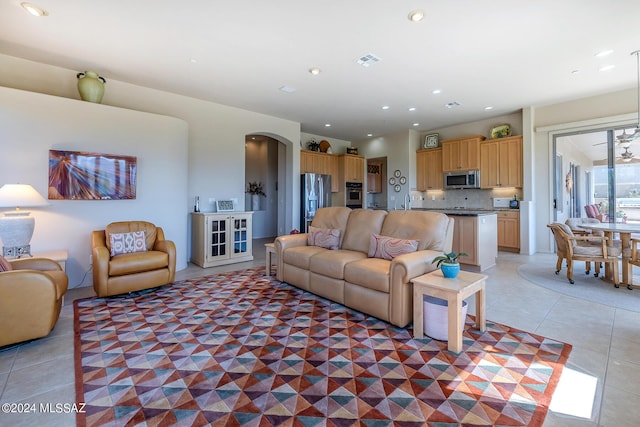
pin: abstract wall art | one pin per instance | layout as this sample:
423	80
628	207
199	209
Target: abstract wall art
79	175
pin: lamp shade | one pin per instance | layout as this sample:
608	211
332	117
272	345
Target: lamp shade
20	196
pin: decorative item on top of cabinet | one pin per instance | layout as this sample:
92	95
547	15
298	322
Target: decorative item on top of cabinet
461	154
221	238
501	131
501	162
431	141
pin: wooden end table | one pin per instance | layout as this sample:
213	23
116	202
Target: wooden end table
454	291
270	249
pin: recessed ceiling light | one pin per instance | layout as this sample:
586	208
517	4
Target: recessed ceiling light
607	67
416	124
315	71
287	89
604	53
33	9
575	71
327	125
385	107
193	60
436	91
416	15
412	108
369	134
452	104
488	108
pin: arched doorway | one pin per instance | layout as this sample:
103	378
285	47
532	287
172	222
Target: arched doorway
266	166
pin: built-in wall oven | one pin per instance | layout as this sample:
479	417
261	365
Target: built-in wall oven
354	195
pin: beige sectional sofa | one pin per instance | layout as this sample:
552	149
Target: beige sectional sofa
347	275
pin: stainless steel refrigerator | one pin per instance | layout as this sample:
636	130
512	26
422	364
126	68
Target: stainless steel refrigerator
315	193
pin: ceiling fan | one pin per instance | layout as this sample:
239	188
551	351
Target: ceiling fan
628	137
627	156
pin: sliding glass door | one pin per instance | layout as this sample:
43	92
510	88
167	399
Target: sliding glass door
599	173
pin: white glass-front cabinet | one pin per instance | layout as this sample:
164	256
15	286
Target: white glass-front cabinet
220	238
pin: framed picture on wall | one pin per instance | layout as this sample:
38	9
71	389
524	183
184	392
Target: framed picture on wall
80	175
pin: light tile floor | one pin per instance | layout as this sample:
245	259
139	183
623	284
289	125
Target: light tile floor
600	385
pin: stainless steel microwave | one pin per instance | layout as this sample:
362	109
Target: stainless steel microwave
462	179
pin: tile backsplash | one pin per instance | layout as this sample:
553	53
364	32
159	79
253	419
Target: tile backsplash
469	199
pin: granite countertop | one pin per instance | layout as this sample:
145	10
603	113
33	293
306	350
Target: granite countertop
461	212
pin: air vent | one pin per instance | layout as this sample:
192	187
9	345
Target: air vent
287	89
368	60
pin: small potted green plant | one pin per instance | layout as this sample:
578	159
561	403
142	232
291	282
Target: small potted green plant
449	264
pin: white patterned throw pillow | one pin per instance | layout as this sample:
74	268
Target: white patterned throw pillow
324	237
390	247
126	243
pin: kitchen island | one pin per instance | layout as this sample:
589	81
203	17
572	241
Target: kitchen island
475	232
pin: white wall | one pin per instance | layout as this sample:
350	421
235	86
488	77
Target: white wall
400	150
31	124
216	132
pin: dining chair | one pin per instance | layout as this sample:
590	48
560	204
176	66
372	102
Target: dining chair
584	248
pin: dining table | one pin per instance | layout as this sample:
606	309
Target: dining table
625	230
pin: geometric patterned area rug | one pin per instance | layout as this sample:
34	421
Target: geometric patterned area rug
242	349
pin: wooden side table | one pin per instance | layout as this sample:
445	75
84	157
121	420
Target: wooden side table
454	291
270	251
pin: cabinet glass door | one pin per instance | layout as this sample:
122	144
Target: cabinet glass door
239	235
218	230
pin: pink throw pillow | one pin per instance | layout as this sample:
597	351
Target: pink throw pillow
5	265
126	243
324	237
390	247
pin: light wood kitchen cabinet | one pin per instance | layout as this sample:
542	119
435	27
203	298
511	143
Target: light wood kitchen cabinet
476	236
501	163
374	177
351	168
315	162
461	154
335	174
221	238
429	169
509	230
323	163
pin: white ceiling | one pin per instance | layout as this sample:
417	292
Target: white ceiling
501	53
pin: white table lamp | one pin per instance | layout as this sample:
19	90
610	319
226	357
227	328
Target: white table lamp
16	227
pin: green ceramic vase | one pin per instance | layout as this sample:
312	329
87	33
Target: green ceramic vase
91	86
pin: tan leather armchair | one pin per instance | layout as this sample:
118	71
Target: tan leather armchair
129	272
30	299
